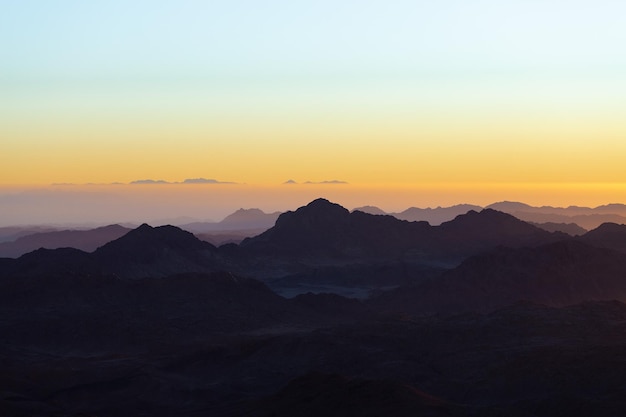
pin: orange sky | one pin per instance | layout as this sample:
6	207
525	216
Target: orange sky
442	103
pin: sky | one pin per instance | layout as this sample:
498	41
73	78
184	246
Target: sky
409	102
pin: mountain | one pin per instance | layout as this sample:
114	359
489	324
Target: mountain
571	229
321	247
555	274
252	221
325	230
510	206
586	217
371	210
586	221
249	219
607	235
11	233
476	232
156	251
435	216
85	240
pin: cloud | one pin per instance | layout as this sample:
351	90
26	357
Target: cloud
205	181
331	182
186	181
326	182
148	181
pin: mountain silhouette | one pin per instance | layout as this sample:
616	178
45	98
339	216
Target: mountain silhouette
555	274
328	230
571	229
607	235
435	216
86	240
586	217
156	251
158	322
325	229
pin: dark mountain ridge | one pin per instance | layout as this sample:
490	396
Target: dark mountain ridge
607	235
326	230
313	244
555	274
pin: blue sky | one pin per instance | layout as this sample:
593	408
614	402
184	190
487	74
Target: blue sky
170	40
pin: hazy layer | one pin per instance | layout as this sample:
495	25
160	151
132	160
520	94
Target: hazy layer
156	204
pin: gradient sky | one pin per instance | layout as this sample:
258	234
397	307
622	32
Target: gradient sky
460	95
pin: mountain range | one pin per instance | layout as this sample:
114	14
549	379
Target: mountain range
86	240
586	218
482	315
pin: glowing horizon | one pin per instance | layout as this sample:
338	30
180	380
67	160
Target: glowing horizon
410	103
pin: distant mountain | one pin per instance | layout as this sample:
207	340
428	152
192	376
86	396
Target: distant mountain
571	229
371	210
243	219
249	219
555	274
11	233
510	206
586	221
86	240
586	217
435	216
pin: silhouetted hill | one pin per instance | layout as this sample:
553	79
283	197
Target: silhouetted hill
322	247
607	235
321	243
571	229
476	232
435	216
86	240
156	251
325	230
49	262
556	274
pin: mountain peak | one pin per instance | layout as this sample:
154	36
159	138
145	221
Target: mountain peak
146	236
317	211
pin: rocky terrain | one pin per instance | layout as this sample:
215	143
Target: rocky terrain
484	315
